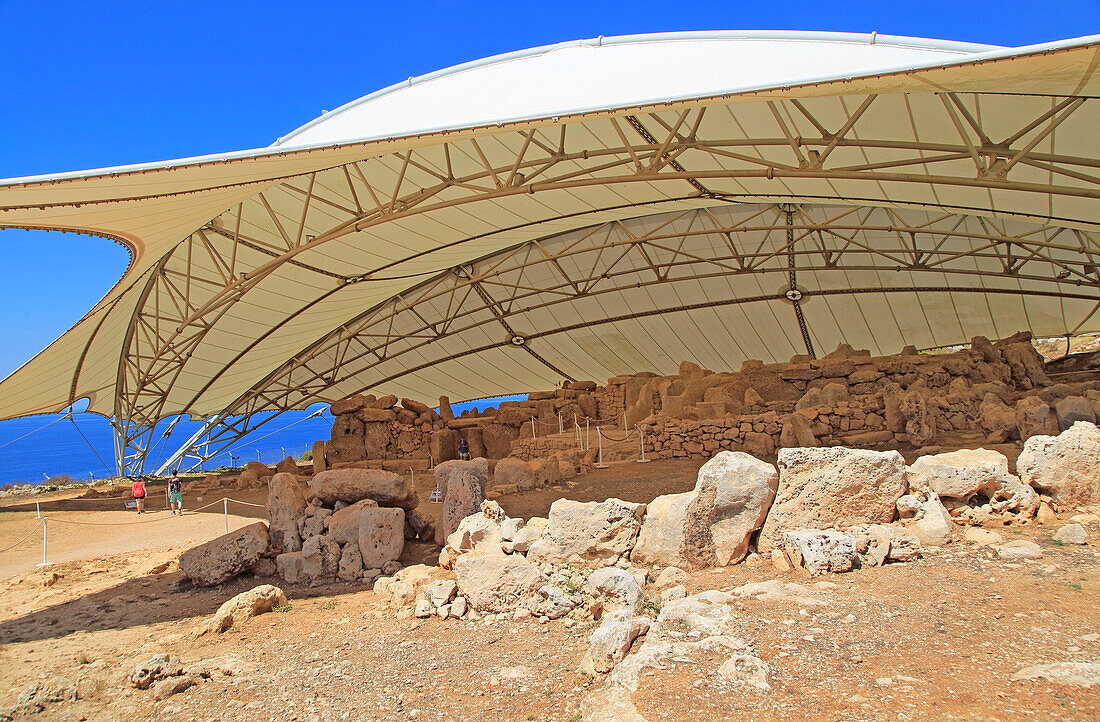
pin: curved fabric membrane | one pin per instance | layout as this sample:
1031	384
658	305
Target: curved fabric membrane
894	207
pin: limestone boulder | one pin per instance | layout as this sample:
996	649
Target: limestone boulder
615	589
287	466
932	523
497	439
664	539
343	524
588	532
286	503
381	535
797	432
920	424
820	551
997	419
611	641
1064	466
1072	409
320	558
1032	417
319	456
443	445
463	498
960	475
289	567
352	485
892	544
734	493
478	467
499	584
531	532
221	559
823	487
351	563
712	524
1070	534
256	601
476	534
511	470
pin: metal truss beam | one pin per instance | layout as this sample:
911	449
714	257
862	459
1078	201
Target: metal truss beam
194	286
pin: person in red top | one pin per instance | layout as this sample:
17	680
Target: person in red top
137	490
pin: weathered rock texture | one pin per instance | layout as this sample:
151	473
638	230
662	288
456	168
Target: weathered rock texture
221	559
1067	466
588	532
823	487
713	524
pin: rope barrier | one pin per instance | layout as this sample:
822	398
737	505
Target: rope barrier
247	503
8	549
152	521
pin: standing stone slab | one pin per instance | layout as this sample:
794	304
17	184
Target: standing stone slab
478	467
463	498
663	540
286	503
823	487
221	559
319	457
734	493
381	535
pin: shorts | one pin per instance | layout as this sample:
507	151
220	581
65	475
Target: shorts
140	496
175	497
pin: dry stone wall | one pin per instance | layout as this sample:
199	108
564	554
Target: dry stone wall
847	398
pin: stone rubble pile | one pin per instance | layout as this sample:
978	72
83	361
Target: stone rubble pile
824	510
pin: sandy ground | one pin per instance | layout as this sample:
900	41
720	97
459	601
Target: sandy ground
938	638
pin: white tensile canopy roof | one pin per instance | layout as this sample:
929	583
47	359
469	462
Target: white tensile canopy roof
584	210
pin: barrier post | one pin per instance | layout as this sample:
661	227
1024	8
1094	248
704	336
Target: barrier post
44	563
225	511
534	431
588	434
561	429
431	462
37	510
624	423
641	435
599	439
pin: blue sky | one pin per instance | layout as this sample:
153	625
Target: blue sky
87	85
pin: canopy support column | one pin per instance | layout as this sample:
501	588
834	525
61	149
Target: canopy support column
120	447
190	444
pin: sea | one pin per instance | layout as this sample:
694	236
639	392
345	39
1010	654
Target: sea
37	449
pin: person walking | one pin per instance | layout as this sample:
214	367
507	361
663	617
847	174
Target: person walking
463	450
137	490
175	495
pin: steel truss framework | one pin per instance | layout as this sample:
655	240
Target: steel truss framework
981	162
